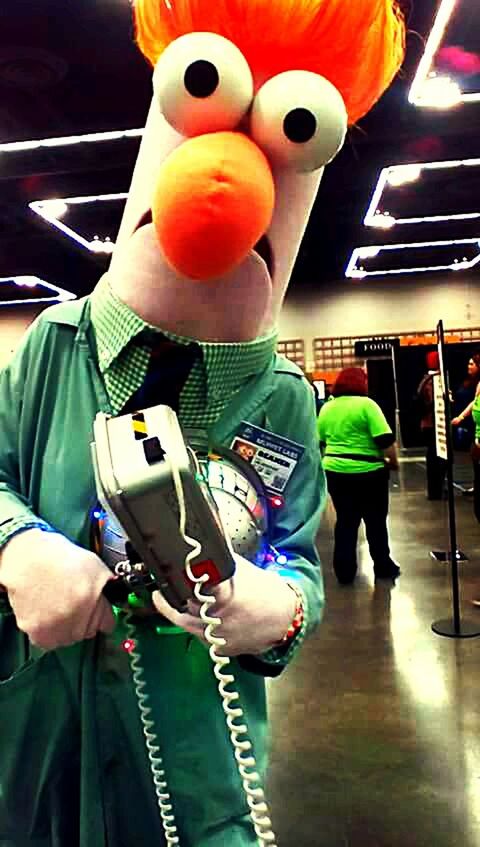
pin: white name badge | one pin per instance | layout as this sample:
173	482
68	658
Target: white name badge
273	457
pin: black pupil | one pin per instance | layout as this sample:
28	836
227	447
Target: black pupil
201	79
300	125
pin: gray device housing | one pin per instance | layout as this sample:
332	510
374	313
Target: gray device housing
135	485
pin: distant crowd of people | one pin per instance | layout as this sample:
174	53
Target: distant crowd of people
466	423
359	451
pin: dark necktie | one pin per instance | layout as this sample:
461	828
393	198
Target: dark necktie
169	368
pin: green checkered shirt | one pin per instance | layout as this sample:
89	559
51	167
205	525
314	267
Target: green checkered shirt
215	377
222	370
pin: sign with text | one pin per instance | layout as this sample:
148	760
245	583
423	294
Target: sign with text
273	457
376	347
440	418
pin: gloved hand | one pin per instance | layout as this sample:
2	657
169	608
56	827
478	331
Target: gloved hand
55	589
256	607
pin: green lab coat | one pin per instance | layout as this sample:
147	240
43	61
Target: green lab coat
73	765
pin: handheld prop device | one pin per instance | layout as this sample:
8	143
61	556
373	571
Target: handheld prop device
162	515
134	458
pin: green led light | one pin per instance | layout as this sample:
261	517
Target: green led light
135	601
169	630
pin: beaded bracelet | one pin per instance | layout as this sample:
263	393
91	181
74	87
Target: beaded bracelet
298	617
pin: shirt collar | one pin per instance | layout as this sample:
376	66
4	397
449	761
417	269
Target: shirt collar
227	365
115	324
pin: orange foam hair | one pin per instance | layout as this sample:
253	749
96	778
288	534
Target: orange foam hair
358	45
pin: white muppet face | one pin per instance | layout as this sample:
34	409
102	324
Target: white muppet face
203	85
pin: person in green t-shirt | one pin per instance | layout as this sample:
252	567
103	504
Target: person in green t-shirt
473	409
358	449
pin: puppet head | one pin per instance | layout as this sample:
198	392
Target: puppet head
252	99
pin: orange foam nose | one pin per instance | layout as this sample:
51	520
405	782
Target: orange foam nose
213	201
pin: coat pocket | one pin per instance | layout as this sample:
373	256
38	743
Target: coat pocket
39	754
15	649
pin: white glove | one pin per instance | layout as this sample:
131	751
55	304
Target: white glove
55	589
256	607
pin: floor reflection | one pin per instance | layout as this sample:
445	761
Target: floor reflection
376	725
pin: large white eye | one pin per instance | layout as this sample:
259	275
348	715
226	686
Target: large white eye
299	119
203	83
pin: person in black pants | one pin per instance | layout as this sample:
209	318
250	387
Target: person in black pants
358	451
358	497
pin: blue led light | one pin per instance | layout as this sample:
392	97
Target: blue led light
281	560
97	515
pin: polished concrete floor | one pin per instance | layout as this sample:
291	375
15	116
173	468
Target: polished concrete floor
376	725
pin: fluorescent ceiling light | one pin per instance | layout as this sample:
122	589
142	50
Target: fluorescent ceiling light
53	210
68	140
396	176
356	266
403	174
436	90
439	92
29	281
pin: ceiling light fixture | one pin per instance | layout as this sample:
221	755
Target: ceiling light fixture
29	281
403	174
397	175
356	270
48	209
100	246
383	220
54	209
26	281
439	92
430	90
68	140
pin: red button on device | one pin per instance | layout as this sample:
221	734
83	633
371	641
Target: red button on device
207	567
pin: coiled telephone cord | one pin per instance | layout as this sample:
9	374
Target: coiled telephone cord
244	757
246	764
164	800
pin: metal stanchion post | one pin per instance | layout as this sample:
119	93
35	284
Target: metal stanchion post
453	627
